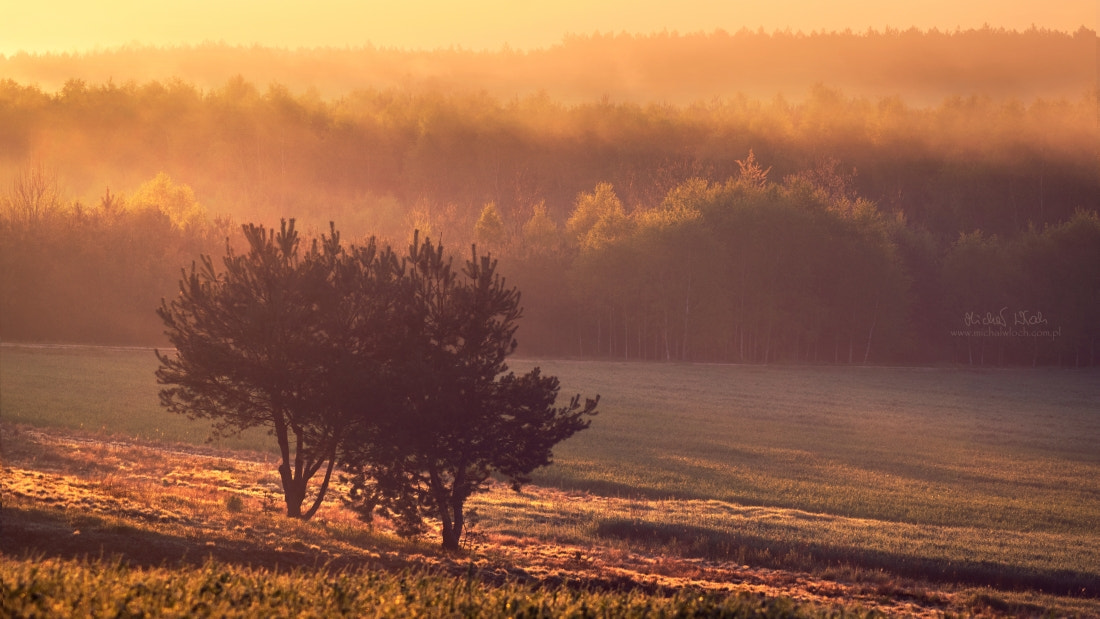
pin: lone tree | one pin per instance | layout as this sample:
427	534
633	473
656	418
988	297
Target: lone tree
463	419
288	340
391	368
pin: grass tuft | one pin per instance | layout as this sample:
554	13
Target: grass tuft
234	504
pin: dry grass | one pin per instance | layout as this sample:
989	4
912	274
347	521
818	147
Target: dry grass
168	506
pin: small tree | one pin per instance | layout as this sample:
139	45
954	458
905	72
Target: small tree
286	341
464	418
489	229
33	197
540	233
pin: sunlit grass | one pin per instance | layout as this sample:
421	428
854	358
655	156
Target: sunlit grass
165	526
82	588
799	540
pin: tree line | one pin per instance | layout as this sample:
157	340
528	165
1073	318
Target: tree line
801	270
752	269
385	160
93	273
923	66
392	368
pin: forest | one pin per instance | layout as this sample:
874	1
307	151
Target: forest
924	67
854	212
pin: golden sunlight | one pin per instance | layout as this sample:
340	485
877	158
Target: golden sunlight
484	24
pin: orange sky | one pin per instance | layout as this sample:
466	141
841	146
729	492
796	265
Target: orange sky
76	25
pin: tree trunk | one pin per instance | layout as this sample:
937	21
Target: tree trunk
293	492
610	333
626	337
459	523
450	537
870	334
450	522
295	480
323	489
599	335
668	354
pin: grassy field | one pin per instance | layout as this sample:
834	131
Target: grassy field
109	391
66	588
124	528
1009	449
987	478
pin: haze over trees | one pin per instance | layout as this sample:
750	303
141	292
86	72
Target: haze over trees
680	68
880	219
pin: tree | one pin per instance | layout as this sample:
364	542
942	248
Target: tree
489	229
351	357
464	418
598	217
174	200
1062	277
34	196
540	233
978	289
752	174
285	340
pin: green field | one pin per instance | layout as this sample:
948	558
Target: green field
987	477
1009	449
104	390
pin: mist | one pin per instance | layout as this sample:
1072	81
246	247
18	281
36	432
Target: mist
948	142
921	67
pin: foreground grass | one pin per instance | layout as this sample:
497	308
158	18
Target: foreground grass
89	589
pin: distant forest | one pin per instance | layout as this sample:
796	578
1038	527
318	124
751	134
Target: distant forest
897	197
668	67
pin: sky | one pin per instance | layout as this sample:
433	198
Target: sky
41	26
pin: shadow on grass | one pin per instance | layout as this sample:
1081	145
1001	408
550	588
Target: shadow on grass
29	531
747	549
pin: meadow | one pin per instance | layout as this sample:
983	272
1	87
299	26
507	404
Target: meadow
989	477
975	478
